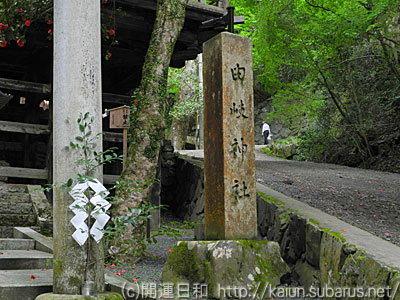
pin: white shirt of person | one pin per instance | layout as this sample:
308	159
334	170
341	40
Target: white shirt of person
265	127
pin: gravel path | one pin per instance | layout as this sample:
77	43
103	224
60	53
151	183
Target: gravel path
148	270
367	199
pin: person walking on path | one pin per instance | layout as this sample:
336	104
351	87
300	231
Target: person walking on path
265	132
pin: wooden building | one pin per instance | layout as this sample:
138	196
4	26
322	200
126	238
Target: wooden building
26	77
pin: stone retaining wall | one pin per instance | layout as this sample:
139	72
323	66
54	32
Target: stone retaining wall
321	250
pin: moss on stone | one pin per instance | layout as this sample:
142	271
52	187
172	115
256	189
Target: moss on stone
312	221
325	229
271	268
184	263
284	218
337	235
271	199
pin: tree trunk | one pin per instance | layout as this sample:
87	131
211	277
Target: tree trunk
180	124
148	123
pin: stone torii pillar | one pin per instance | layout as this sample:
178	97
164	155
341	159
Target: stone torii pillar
76	89
230	207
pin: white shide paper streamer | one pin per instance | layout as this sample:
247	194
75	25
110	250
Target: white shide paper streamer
99	212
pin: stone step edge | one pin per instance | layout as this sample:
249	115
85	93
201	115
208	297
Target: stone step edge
22	243
42	243
28	282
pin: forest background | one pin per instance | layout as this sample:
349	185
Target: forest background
331	70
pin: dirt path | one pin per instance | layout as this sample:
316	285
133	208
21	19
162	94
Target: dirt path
367	199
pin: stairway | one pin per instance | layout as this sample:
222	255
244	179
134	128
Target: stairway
25	271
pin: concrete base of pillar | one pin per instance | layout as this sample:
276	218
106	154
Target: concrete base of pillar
101	296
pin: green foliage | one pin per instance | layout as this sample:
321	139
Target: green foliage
85	143
296	105
191	103
332	67
286	148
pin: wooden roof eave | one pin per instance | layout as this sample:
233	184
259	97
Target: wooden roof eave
195	10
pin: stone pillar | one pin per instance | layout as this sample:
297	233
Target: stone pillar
76	89
201	114
230	208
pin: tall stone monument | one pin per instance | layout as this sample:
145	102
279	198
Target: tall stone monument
76	89
230	205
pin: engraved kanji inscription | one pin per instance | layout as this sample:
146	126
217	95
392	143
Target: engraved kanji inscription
238	148
238	72
239	190
238	110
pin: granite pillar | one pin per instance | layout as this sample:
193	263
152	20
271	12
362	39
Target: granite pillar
76	90
230	206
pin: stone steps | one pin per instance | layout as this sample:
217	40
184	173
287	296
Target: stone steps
25	272
25	284
24	259
16	207
16	244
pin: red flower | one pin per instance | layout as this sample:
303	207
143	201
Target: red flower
111	32
49	31
134	279
20	10
169	250
6	26
20	43
49	22
3	44
135	102
1	26
105	1
27	23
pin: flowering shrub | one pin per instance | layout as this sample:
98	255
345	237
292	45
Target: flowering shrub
17	16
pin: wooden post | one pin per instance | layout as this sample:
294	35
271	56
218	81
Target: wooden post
125	147
119	118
